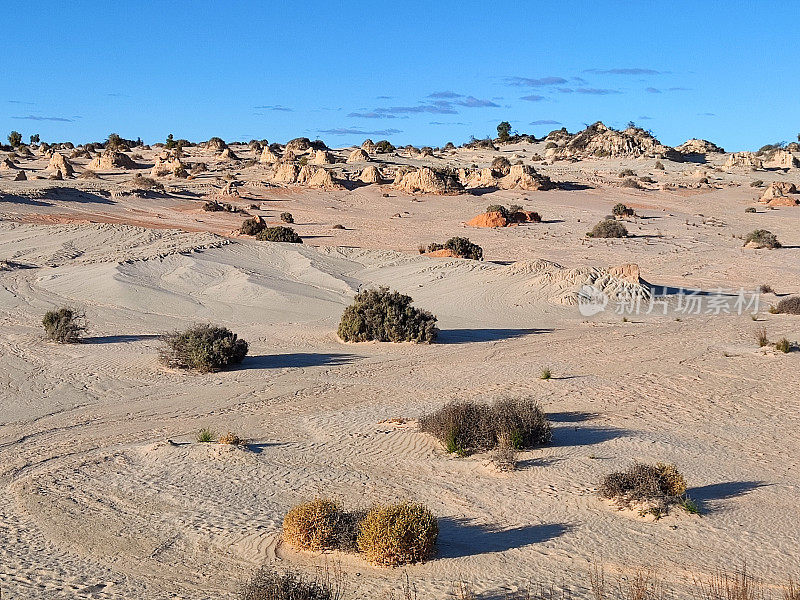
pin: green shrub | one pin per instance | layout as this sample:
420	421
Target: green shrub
783	345
789	306
252	226
65	325
503	129
465	427
398	534
279	234
750	209
385	316
608	229
756	183
761	238
205	435
267	584
384	147
14	138
661	484
546	374
621	210
464	248
205	348
287	217
498	208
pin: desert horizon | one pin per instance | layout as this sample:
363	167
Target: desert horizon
548	357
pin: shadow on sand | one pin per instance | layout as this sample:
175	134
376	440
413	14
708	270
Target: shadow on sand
465	336
119	339
707	495
461	537
295	359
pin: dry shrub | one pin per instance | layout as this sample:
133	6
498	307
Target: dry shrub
311	525
504	456
231	439
398	534
267	584
762	238
608	228
252	226
205	348
739	585
783	345
459	246
321	524
631	183
621	210
789	306
279	234
627	173
658	485
88	174
65	325
761	336
465	427
287	217
385	316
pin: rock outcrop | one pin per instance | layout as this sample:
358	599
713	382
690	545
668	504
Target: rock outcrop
780	193
268	156
781	159
599	141
111	159
60	165
322	157
358	155
695	146
428	181
286	173
371	174
746	160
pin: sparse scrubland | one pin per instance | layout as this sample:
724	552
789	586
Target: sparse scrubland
651	489
608	228
279	234
459	246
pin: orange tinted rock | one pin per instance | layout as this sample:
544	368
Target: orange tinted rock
489	219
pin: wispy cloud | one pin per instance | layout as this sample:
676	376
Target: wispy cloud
441	108
116	95
372	115
591	91
35	118
645	118
545	122
355	131
678	89
533	98
383	97
445	95
472	102
652	90
445	123
623	71
276	107
22	102
530	82
706	114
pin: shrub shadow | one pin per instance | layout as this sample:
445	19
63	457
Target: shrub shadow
296	359
571	416
461	537
585	436
465	336
706	495
118	339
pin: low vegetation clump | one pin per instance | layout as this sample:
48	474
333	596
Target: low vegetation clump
504	456
214	206
627	173
65	325
621	210
546	374
279	234
267	584
287	217
204	348
756	183
384	147
789	306
654	487
339	226
384	316
313	525
608	228
398	534
467	426
750	209
783	345
761	238
205	435
460	247
252	226
659	165
630	182
498	208
231	439
761	336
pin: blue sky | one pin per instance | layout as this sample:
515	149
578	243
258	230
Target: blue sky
413	72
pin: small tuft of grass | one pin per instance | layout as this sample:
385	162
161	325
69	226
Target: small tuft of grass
761	336
546	373
206	435
783	345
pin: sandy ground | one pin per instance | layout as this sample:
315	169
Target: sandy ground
96	503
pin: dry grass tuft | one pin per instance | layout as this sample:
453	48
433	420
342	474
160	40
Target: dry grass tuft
398	534
65	325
